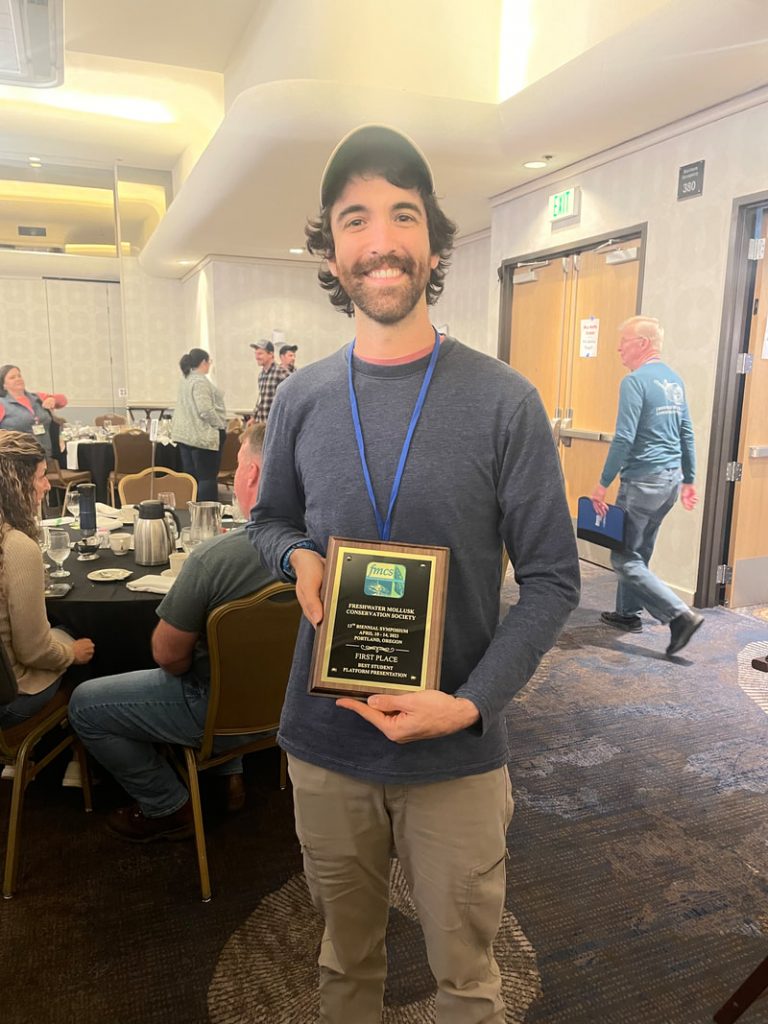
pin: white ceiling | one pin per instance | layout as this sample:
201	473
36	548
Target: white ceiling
247	175
187	33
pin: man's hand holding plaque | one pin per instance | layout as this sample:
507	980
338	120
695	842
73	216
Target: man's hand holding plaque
406	717
309	567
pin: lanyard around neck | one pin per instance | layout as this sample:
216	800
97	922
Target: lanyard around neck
384	526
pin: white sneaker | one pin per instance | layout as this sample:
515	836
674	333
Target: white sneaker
8	772
72	776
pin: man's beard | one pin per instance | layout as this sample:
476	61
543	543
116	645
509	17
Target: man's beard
379	303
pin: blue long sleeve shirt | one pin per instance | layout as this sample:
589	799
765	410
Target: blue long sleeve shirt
482	470
653	427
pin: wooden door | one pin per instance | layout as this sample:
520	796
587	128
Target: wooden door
604	295
578	382
539	301
748	543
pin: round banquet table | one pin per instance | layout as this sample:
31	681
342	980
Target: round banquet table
119	621
98	458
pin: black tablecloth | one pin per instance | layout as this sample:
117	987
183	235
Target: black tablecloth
99	459
119	621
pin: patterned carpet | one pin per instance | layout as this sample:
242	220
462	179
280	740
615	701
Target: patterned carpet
637	875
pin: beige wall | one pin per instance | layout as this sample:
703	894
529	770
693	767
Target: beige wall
66	336
685	260
465	301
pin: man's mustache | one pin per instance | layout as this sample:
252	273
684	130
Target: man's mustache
404	263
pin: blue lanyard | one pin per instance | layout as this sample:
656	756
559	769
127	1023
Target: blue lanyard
385	526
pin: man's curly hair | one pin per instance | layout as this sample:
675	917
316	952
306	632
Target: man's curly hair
402	174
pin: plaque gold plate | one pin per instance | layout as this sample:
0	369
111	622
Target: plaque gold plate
383	619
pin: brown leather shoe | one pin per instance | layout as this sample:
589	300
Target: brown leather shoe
129	823
233	792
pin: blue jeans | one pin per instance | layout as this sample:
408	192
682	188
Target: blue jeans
25	705
646	501
121	718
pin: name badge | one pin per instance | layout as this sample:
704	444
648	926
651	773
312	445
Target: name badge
38	428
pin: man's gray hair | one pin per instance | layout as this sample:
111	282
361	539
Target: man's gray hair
646	327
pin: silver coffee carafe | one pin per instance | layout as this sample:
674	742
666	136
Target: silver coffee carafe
152	536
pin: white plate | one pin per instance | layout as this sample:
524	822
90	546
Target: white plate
109	575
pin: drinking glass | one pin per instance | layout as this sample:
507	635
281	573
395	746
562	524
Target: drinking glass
168	498
188	543
43	540
73	506
58	551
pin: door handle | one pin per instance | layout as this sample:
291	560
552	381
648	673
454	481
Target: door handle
581	435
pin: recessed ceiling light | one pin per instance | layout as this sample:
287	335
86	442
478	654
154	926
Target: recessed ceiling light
35	161
296	252
535	165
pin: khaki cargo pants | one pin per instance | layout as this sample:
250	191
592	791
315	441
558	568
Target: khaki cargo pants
450	838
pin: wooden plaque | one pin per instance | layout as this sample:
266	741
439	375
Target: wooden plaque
383	619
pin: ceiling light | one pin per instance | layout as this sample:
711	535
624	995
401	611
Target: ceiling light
295	252
35	161
536	165
127	108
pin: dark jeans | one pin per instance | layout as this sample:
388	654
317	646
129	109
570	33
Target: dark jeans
203	464
26	705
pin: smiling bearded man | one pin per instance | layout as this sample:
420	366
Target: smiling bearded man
425	773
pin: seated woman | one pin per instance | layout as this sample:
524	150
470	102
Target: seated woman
29	411
38	654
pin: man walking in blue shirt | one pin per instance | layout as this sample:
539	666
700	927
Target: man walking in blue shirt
653	451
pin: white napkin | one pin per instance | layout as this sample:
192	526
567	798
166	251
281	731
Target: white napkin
107	523
152	584
58	521
107	510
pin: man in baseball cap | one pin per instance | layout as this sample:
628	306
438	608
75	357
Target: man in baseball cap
409	438
270	378
288	357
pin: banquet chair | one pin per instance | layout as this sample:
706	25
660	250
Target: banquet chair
136	487
113	419
246	692
133	452
17	744
64	479
230	448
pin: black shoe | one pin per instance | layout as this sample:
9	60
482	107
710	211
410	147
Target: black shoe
682	628
233	792
629	623
129	823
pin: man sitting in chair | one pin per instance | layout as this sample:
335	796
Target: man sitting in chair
121	718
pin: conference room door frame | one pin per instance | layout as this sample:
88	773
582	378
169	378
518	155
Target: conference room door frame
733	568
559	312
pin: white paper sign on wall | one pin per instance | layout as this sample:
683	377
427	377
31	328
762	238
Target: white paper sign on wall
590	332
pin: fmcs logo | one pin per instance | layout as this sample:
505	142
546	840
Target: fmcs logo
384	579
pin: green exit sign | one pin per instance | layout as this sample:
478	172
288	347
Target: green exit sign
565	204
